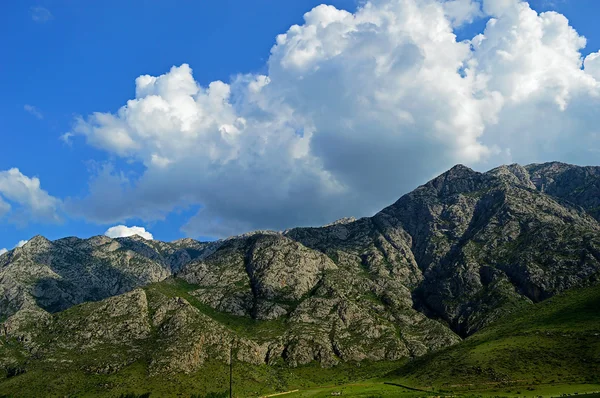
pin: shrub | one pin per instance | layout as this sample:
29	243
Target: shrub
14	371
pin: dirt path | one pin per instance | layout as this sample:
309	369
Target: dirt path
279	393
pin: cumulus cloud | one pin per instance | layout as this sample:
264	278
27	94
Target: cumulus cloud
33	110
592	65
462	11
534	62
23	199
2	251
40	14
356	109
121	231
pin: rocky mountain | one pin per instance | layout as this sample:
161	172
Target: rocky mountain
442	262
578	185
472	246
54	276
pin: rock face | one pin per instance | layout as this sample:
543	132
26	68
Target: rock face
57	275
472	246
578	185
439	264
330	312
487	242
266	270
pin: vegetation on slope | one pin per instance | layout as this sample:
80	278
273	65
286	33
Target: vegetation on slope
555	341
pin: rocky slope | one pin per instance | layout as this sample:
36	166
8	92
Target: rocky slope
472	246
578	185
56	275
442	262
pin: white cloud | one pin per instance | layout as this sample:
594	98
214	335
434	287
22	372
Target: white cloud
121	231
550	104
356	109
66	138
28	201
592	65
4	207
20	244
462	11
34	111
499	8
40	14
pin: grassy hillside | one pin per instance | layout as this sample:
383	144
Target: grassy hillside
555	341
248	380
73	373
547	349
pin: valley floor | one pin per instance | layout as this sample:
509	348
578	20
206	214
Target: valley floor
263	382
384	389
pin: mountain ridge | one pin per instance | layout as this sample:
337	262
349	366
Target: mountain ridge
444	261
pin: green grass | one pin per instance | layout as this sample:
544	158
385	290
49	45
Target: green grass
249	381
74	374
243	326
555	341
364	389
547	349
379	389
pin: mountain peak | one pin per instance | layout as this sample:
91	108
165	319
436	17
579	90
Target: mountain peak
37	244
458	179
37	241
135	237
344	220
459	167
514	172
456	172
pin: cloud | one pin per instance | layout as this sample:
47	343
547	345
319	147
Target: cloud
66	138
592	65
460	12
23	199
4	207
33	110
355	110
121	231
21	243
40	14
550	103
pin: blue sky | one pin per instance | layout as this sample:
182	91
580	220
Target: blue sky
65	59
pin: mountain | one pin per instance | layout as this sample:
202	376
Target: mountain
578	185
457	254
54	276
473	246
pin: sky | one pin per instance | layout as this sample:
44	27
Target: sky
208	119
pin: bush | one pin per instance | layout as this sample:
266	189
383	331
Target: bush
14	371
